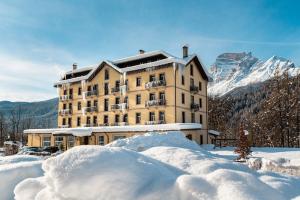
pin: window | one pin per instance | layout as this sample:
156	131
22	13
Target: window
126	100
201	119
189	136
152	96
79	91
78	121
117	118
101	140
88	120
88	104
117	101
64	121
105	119
89	88
70	106
46	141
138	81
192	99
118	84
79	105
95	119
58	141
71	141
200	103
137	118
182	80
95	87
96	103
117	137
162	116
151	78
71	92
106	74
106	90
70	122
192	82
65	92
138	99
162	96
182	98
64	106
126	82
183	117
106	104
200	85
193	118
162	77
125	118
192	70
201	139
151	116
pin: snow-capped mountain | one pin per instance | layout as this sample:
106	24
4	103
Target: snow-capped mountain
232	70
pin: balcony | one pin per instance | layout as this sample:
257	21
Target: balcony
91	93
91	109
105	124
158	102
65	97
155	122
65	112
154	84
120	124
115	89
194	89
121	106
89	125
195	107
64	126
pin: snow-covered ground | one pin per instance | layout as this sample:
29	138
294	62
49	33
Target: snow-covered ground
153	166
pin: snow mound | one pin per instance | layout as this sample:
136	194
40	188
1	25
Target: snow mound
17	159
12	174
93	172
153	139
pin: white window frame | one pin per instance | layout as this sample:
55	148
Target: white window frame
46	143
102	140
71	142
57	142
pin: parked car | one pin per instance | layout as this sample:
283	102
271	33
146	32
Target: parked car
30	151
51	149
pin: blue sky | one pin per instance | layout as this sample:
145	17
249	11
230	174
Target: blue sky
41	39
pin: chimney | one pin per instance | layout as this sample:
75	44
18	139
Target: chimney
74	66
185	51
141	51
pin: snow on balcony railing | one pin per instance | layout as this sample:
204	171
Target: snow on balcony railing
65	97
155	84
194	89
155	122
156	102
90	109
195	106
121	106
65	112
64	126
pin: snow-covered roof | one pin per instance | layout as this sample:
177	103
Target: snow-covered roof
87	131
213	132
169	59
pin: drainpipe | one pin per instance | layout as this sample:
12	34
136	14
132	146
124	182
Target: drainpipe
175	109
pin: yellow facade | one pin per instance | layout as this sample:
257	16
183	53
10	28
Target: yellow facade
183	86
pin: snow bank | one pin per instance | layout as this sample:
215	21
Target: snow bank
17	159
94	172
12	174
153	139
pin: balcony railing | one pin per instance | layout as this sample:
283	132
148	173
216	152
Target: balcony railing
155	122
89	125
194	89
64	126
120	106
91	93
65	112
105	124
91	109
156	102
153	84
65	97
120	124
195	107
115	89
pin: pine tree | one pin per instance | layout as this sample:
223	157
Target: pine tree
243	148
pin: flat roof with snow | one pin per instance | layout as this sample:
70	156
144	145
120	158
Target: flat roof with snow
87	131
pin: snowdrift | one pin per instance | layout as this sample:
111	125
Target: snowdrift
163	170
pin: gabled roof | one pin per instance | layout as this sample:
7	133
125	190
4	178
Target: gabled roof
93	70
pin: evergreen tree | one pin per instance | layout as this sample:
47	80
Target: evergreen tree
243	148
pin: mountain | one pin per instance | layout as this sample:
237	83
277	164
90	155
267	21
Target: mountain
42	113
234	70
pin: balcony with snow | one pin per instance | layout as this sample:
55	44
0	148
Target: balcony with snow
195	107
120	106
90	109
194	89
155	83
66	97
155	102
65	112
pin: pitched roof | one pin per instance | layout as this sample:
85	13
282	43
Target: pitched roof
93	70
